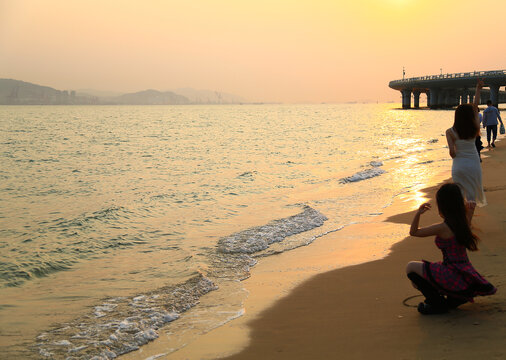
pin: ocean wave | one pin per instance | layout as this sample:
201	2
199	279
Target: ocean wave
305	242
104	215
20	267
14	274
121	325
235	267
259	238
362	175
63	242
247	174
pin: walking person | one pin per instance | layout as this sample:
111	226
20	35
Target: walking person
490	116
461	137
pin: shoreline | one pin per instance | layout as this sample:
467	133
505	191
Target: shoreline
268	284
301	313
359	311
315	180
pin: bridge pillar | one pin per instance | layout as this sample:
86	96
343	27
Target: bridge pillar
406	98
448	99
454	98
416	99
471	98
434	96
494	95
464	98
441	97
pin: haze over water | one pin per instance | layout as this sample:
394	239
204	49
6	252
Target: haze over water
118	220
106	211
264	51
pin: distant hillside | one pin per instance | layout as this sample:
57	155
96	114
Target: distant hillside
98	93
151	97
209	97
15	92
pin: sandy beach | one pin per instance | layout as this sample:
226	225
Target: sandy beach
366	310
236	180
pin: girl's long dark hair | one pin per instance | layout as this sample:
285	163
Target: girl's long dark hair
465	122
450	203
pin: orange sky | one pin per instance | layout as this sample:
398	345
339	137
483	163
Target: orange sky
275	50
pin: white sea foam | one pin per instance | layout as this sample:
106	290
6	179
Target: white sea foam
363	175
123	326
101	310
196	192
62	343
77	349
259	238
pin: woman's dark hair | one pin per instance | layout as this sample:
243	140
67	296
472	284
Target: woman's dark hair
465	123
450	203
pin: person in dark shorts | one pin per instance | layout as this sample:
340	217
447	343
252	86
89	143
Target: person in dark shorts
490	116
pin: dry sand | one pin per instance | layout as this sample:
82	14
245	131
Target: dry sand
367	310
358	312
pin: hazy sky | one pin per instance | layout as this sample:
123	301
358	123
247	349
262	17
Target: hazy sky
263	50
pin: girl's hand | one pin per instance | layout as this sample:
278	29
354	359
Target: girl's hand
423	208
480	84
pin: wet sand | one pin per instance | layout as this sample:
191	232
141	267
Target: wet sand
366	310
360	312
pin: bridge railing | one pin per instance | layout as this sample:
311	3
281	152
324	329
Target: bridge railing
473	74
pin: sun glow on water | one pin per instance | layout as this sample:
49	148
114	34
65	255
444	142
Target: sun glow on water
162	185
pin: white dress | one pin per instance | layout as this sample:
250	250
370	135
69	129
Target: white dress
466	170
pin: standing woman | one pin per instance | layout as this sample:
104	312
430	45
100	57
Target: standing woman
466	168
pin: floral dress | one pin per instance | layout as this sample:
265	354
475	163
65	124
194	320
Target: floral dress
455	276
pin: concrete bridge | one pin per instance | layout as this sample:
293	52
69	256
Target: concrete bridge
448	90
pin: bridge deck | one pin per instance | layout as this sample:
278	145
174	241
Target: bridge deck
447	90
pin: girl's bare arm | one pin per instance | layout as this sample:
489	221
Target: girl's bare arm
479	86
450	138
415	230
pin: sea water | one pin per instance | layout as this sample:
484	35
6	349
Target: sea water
116	220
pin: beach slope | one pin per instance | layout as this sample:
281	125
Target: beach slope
369	310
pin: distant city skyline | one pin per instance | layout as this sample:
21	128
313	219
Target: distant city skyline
263	51
16	92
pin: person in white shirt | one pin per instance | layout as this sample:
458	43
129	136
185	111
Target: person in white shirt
490	116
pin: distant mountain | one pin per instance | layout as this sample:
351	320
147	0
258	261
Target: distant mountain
15	92
98	93
151	97
209	97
